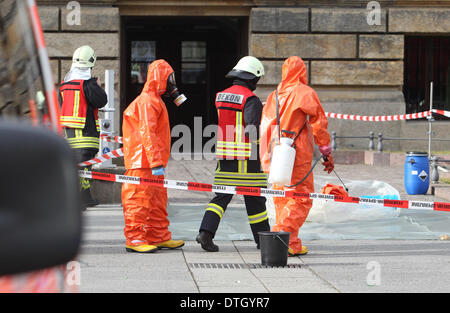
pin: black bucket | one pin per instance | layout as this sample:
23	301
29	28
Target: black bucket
274	248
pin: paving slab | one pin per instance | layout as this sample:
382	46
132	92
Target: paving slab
331	265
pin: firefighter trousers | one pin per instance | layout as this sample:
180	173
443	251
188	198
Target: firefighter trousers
256	211
85	154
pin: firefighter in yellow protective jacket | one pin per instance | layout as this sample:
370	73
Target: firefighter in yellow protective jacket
239	111
81	96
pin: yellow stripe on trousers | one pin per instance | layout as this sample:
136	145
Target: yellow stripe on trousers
216	209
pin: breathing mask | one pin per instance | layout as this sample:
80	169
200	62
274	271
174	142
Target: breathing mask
172	93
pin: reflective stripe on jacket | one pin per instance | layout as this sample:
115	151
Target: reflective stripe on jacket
232	142
74	105
240	173
77	140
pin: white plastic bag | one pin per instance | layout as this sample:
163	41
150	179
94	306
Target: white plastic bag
328	211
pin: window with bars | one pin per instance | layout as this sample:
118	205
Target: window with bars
142	54
193	62
427	59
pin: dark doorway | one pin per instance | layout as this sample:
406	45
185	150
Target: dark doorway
201	50
427	59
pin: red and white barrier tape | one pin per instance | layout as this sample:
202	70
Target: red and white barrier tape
111	138
442	112
107	156
386	118
379	118
265	192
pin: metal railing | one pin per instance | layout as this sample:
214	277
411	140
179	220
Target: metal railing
435	161
380	139
334	136
435	168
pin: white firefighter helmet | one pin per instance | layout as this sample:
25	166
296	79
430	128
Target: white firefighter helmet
84	56
247	68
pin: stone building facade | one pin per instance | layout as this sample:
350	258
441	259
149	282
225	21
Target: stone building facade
355	54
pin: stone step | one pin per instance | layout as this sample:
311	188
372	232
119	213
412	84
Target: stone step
107	192
441	191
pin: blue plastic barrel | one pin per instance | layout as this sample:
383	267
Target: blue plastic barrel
417	173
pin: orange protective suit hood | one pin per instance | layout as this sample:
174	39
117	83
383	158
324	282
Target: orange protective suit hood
294	71
146	127
158	72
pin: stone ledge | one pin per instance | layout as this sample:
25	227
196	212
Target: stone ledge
344	20
93	19
362	95
348	157
398	158
272	70
419	20
381	46
54	66
441	191
49	16
379	73
279	19
376	158
324	46
64	44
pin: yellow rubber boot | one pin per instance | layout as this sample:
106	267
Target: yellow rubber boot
142	248
170	244
302	252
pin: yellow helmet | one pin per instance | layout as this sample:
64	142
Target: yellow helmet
84	56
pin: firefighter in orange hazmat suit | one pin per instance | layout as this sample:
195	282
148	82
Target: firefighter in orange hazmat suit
146	149
297	102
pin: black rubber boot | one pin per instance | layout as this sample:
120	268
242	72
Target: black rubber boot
204	238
